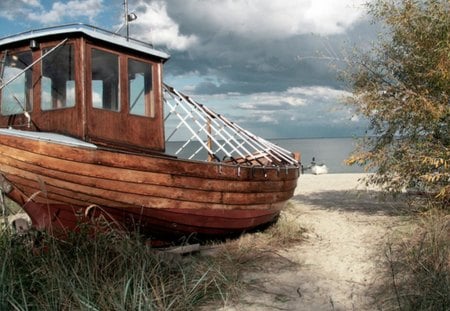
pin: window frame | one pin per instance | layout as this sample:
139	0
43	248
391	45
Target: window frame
76	81
90	80
29	93
150	99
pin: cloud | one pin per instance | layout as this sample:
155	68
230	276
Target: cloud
267	18
7	5
63	10
312	111
249	66
31	2
319	92
10	9
156	26
271	102
180	24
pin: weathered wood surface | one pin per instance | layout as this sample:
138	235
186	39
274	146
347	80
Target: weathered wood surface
165	194
168	222
31	161
153	164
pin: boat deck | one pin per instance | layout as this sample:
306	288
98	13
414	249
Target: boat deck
49	137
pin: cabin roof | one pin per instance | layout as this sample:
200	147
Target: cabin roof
88	30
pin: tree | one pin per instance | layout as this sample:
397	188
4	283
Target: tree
401	86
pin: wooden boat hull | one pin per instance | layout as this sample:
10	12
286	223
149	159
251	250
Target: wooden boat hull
61	186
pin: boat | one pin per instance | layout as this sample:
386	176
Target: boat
85	125
319	169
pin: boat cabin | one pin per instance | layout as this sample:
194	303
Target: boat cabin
84	82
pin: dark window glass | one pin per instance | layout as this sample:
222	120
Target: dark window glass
105	80
58	79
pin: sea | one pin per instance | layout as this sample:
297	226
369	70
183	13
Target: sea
329	151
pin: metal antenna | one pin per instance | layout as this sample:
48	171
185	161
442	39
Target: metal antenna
125	9
129	17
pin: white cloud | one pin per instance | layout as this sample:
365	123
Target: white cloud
10	9
257	20
314	110
155	25
271	101
31	2
292	98
62	10
331	16
268	119
281	18
312	105
318	92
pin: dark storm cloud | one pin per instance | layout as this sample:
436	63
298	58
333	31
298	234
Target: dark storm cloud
248	65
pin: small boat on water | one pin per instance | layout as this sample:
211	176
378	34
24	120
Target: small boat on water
85	119
319	169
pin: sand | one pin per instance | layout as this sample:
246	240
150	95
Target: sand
340	264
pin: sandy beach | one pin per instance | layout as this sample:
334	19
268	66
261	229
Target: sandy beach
339	265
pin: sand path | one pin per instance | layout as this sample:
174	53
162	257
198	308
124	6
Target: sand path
339	266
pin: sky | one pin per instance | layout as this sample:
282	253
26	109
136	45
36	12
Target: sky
270	66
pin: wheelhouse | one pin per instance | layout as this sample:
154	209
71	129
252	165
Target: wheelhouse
84	82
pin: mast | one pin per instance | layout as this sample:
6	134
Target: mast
129	17
125	9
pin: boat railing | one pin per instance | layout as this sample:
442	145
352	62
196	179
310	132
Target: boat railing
220	139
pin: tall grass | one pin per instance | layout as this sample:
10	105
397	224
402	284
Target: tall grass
419	266
112	270
108	271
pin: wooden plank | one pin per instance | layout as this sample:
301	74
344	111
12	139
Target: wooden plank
162	221
92	194
222	196
150	178
154	163
46	193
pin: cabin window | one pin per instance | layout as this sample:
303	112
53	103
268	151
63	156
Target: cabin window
16	97
58	78
140	88
105	80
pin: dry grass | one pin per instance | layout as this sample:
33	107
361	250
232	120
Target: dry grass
419	266
108	271
117	271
